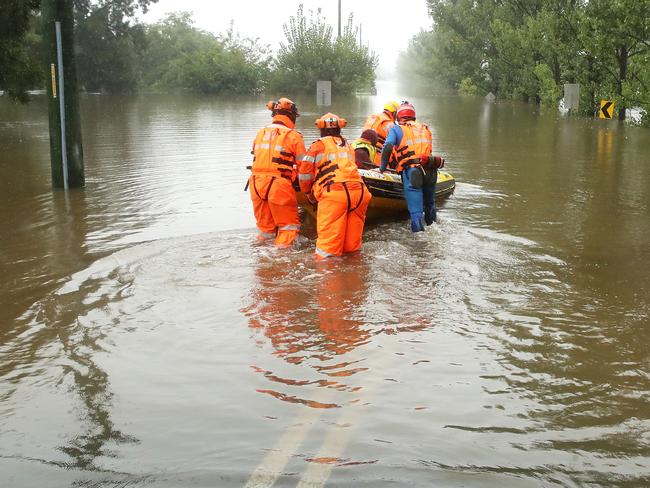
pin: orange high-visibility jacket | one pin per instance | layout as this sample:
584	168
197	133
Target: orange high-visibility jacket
416	143
329	160
276	151
380	123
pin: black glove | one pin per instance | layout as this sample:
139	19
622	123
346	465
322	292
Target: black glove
385	155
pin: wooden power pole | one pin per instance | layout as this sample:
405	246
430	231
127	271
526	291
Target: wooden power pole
66	151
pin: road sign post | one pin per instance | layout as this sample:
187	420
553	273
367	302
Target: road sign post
571	96
323	93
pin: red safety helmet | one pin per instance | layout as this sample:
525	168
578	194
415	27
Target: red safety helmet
406	111
283	106
331	121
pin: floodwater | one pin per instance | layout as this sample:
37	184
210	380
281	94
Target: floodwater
146	339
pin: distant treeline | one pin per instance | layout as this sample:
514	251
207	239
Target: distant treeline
118	54
528	49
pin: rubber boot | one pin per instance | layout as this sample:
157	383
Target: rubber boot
430	215
429	197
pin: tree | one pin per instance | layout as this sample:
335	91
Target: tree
108	34
180	56
617	33
119	10
19	66
528	49
108	56
109	44
311	53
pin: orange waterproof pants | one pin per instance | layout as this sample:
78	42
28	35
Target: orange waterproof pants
275	207
340	218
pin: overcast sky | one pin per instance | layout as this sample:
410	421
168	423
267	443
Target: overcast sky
386	25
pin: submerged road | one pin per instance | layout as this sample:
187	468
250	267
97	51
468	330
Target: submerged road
146	339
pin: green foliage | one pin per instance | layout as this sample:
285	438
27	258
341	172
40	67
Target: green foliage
311	53
19	67
467	87
547	90
616	33
180	56
108	50
120	9
117	54
528	50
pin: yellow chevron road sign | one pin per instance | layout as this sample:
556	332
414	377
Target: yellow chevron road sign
606	109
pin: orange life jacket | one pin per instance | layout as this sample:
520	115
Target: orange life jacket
271	155
416	142
336	164
380	123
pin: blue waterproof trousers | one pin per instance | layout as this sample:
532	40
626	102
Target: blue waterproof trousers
421	201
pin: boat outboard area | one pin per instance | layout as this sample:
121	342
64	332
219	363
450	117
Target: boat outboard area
149	339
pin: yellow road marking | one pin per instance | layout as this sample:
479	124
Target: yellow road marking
333	447
267	473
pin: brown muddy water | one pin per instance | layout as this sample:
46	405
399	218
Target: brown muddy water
147	340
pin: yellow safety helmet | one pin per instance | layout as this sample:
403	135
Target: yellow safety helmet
391	106
331	121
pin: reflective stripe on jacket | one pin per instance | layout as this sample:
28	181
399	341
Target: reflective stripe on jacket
274	151
416	143
327	162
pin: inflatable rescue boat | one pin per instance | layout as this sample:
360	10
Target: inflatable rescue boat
387	196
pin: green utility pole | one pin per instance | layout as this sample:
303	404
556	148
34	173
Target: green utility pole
66	151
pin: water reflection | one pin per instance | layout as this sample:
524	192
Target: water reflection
281	308
92	384
313	315
62	350
59	248
604	146
342	293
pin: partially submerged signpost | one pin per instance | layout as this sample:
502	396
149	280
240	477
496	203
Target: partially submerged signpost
571	96
66	151
323	93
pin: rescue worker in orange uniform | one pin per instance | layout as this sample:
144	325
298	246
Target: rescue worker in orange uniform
328	175
381	123
409	143
277	150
